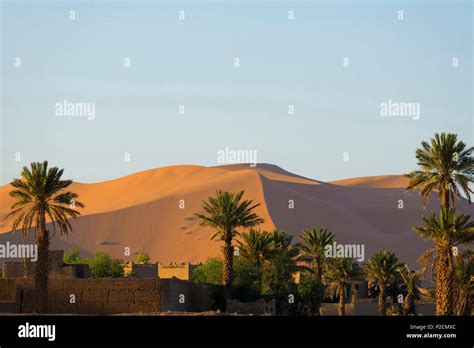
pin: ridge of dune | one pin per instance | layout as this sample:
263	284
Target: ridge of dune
272	171
377	182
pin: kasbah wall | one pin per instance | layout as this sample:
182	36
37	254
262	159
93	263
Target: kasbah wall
107	296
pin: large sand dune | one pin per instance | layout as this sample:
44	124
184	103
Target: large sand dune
142	211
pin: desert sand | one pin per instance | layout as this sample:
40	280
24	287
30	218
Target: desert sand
142	211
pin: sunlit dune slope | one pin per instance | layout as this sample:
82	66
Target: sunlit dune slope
144	211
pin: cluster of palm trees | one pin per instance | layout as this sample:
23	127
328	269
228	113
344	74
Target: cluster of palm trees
309	257
446	168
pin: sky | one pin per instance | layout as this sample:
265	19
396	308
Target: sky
335	63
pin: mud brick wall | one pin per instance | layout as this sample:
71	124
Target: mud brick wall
9	296
145	270
180	271
13	269
108	296
7	290
95	296
258	307
181	295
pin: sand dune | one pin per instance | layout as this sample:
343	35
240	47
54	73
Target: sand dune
382	181
142	211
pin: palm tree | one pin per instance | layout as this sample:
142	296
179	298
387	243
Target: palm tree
411	285
256	248
313	248
278	281
446	166
281	247
381	272
226	212
40	195
339	274
447	232
463	290
281	240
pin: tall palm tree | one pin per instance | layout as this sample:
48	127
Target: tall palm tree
313	248
446	166
339	274
411	285
256	248
226	212
447	232
381	272
40	195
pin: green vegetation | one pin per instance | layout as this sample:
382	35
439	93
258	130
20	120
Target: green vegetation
381	271
117	268
338	277
102	266
142	257
278	280
313	249
463	284
411	289
72	256
311	293
447	232
244	285
209	272
256	248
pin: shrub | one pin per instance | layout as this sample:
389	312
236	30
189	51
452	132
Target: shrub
142	257
243	289
310	294
116	268
72	256
100	265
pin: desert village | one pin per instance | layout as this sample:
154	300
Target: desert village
154	288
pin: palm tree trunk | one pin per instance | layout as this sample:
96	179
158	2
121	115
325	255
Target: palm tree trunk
462	302
26	267
259	278
342	302
445	205
444	278
382	302
228	271
42	267
408	305
318	269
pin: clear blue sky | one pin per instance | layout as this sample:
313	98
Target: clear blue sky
190	62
